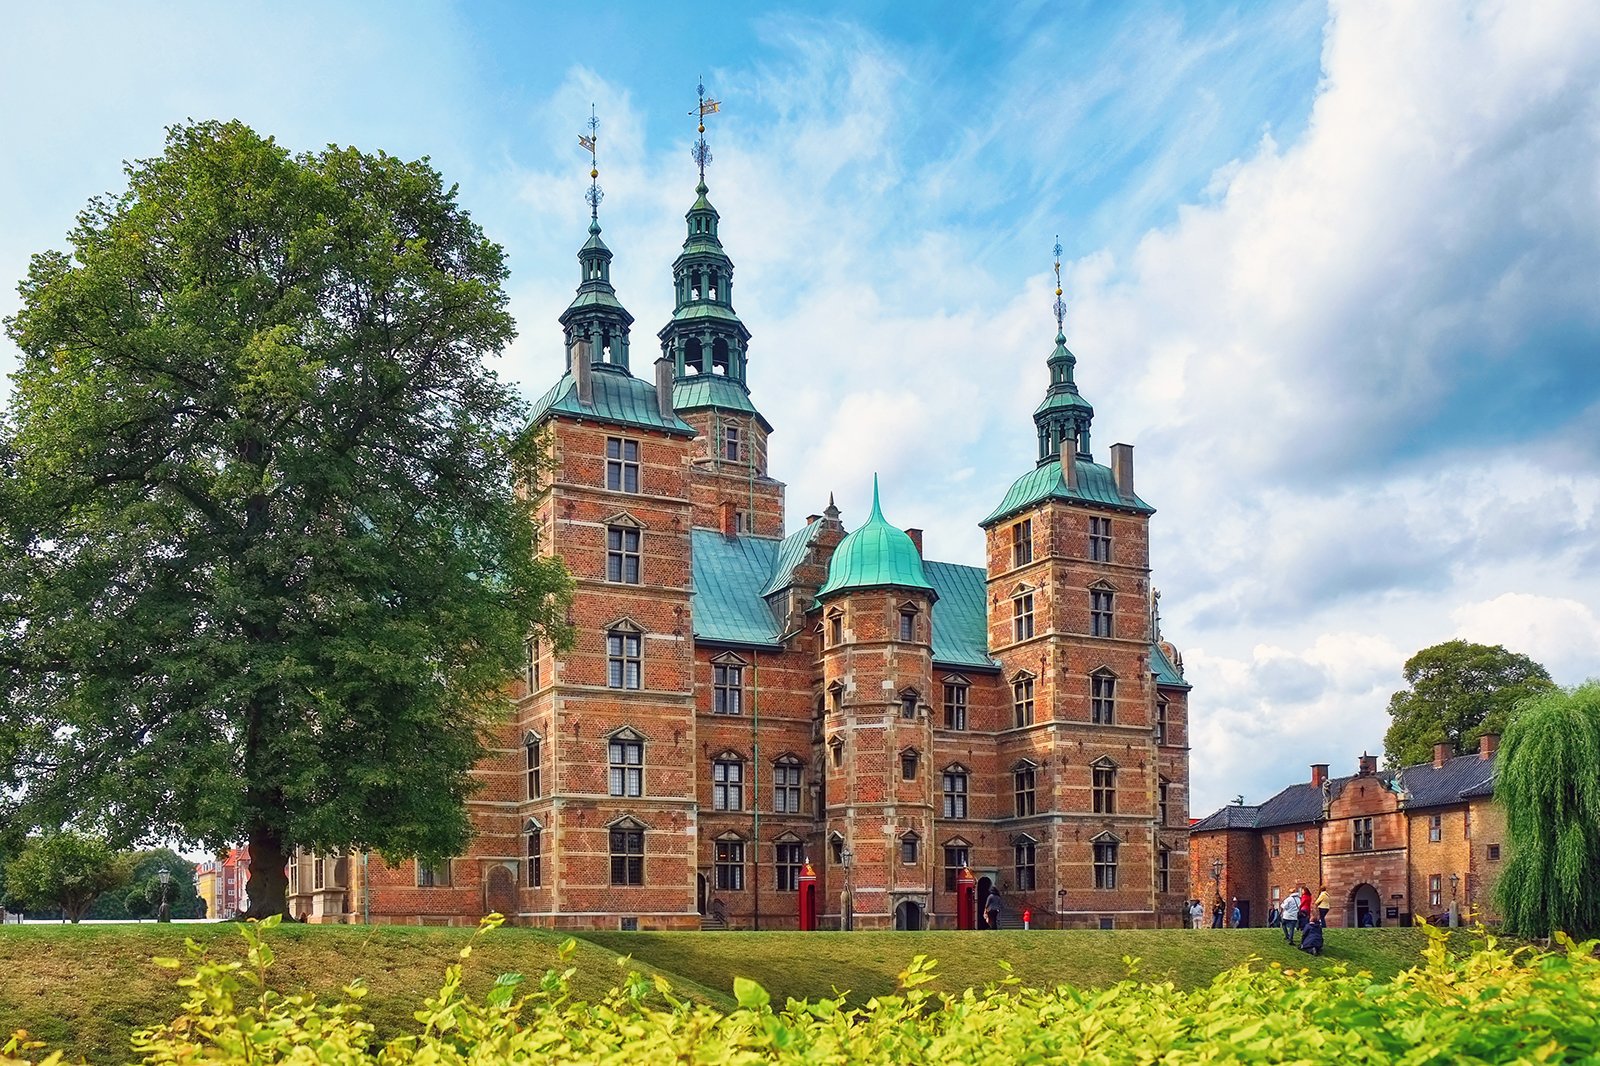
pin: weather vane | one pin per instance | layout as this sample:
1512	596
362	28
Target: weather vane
587	140
1060	308
702	151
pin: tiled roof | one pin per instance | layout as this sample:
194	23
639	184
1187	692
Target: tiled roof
1294	805
1095	485
619	398
1428	786
1165	672
961	618
1231	817
729	574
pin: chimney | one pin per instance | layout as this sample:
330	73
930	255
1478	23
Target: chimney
810	518
1441	752
1488	744
916	539
1319	774
727	519
1069	461
1122	469
1368	765
581	355
664	387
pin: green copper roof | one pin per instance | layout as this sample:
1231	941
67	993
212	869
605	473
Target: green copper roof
1095	485
790	552
606	297
1162	668
619	398
712	390
695	312
961	620
875	556
1062	401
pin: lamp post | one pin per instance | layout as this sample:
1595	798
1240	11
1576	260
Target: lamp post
164	913
1455	913
847	858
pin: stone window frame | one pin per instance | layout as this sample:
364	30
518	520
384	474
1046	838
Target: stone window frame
435	875
951	872
623	465
727	684
732	443
1025	853
908	701
620	743
1163	801
1103	785
621	551
1493	853
909	615
1022	543
910	845
1163	869
957	696
1163	716
1099	539
1022	699
835	621
533	832
955	791
1106	852
727	781
789	859
621	655
626	848
836	751
533	747
1361	833
1102	609
728	862
836	846
788	797
1023	625
1025	788
1103	696
910	763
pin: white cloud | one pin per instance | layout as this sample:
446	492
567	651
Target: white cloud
1561	633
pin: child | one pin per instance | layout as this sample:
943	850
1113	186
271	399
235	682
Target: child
1311	938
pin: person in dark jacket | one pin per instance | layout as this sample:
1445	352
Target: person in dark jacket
1311	938
1216	915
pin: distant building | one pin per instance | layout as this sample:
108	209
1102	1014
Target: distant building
1388	844
221	883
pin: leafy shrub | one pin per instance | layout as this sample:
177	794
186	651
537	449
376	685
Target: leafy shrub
1490	1004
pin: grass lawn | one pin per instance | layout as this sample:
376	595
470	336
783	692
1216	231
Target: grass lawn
810	965
85	989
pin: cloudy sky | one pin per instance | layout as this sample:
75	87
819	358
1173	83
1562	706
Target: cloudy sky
1333	270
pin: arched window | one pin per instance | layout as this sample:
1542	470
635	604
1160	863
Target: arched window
693	356
719	356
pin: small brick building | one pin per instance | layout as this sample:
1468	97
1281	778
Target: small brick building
744	699
1391	844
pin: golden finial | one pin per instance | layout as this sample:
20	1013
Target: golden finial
1060	308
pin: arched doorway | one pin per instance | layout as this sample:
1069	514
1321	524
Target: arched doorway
1366	907
908	915
985	886
500	892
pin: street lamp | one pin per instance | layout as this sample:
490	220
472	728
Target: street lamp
847	858
164	914
1455	914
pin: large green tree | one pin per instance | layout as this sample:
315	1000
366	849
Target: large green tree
267	570
143	894
1547	778
1455	692
65	871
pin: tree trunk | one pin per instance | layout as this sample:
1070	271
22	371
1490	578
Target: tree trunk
268	886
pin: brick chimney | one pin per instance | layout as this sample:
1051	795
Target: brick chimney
1069	461
1488	744
916	539
1319	774
1122	469
728	519
582	357
1441	752
664	388
1368	765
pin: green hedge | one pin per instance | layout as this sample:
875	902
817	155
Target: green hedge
1487	1005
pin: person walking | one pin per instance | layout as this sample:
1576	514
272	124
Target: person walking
1236	915
1197	913
991	911
1290	916
1305	908
1322	905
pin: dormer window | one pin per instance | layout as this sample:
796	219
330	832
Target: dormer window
908	765
908	704
836	628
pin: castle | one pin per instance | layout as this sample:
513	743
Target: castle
744	702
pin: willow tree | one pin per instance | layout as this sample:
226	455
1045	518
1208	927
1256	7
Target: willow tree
1547	779
266	570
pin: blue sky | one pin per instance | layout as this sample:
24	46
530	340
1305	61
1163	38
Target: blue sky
1332	269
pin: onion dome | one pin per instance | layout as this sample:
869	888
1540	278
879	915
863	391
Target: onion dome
876	556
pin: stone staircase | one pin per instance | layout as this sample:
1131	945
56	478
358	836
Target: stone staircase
710	923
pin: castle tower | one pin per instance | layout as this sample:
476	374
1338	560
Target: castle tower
708	347
877	675
1091	769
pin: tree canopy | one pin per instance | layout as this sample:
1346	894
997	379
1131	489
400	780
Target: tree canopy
65	871
263	566
1547	778
1456	692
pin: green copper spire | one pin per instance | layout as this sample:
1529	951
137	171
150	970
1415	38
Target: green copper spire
876	556
595	314
1064	416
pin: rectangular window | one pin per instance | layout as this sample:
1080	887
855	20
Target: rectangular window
1105	864
1363	834
835	630
837	747
1022	617
530	676
535	858
727	785
727	684
627	768
908	706
624	663
1022	702
1163	871
791	857
1435	828
1026	853
730	443
955	706
1436	890
1100	540
955	794
786	788
1025	795
730	865
908	625
622	554
1494	852
319	872
837	845
1105	789
1099	612
433	875
1275	851
956	858
535	769
1161	721
1022	543
1161	802
622	465
1299	841
908	851
908	766
627	856
1102	699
